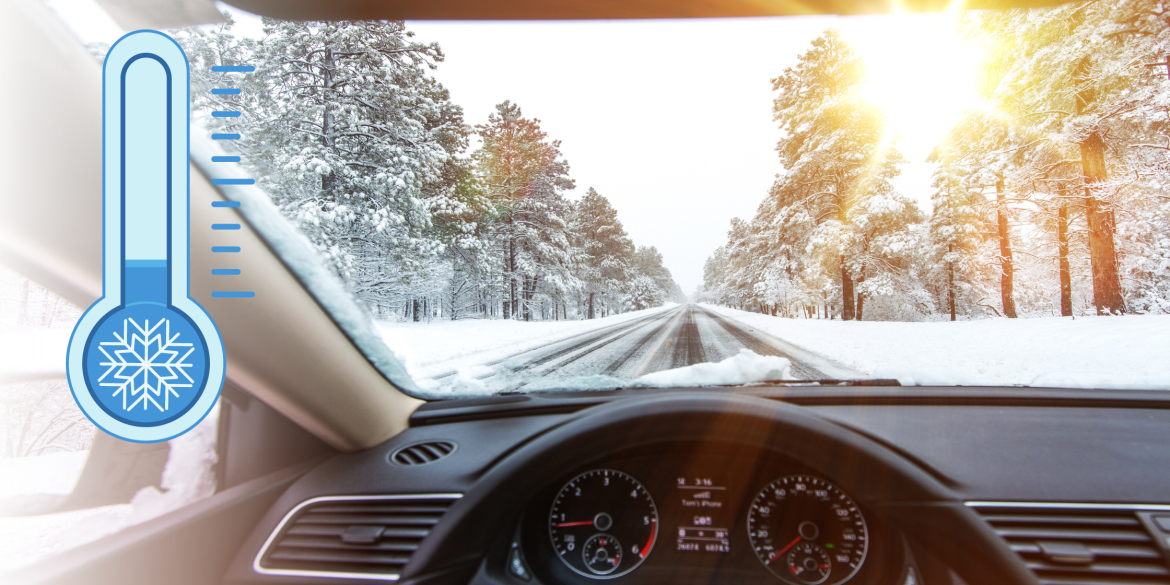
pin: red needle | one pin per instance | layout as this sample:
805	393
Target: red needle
785	549
649	541
564	524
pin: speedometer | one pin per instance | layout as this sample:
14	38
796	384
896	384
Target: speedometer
807	531
603	524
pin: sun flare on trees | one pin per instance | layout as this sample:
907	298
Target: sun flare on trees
920	72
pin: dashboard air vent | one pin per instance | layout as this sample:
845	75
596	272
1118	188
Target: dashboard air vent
1079	545
371	537
423	453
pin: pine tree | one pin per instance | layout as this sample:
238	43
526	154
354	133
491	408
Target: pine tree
833	151
606	252
524	176
647	261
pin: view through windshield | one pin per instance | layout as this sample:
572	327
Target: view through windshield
961	198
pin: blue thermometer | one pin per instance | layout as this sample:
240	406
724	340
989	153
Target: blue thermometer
145	362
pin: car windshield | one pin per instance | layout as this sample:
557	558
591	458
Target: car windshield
960	198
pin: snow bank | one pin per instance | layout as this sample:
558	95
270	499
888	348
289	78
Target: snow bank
743	368
1099	352
33	354
188	477
53	474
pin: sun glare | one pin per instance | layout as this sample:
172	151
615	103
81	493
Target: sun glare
919	72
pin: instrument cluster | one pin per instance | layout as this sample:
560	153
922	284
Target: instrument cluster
694	515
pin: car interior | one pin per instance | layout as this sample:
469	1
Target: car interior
329	472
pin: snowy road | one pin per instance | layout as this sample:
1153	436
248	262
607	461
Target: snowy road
672	338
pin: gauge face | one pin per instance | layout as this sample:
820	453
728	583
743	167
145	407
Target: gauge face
603	524
807	531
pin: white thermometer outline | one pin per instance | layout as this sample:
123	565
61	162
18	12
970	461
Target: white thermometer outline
132	236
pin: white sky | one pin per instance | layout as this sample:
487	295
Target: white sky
670	120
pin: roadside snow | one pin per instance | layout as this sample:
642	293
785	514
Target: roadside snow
54	474
439	346
33	354
1132	351
743	368
189	476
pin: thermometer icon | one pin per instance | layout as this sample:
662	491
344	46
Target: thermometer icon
145	362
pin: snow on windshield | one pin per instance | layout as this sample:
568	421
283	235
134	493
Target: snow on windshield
941	199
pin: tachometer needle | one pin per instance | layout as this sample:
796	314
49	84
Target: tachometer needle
564	524
785	549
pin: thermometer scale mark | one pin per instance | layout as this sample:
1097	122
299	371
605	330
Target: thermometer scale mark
228	113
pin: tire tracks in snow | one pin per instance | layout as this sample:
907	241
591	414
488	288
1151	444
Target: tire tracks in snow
592	336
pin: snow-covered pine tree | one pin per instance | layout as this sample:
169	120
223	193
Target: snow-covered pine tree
644	293
523	177
1078	74
647	261
606	251
955	228
359	140
833	150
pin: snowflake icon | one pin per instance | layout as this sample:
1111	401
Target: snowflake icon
144	365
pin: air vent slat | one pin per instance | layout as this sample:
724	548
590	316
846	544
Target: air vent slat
437	510
351	557
422	453
1072	534
403	520
336	544
361	536
1112	568
997	519
1065	545
1098	580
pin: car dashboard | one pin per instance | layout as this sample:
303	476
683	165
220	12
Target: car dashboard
792	486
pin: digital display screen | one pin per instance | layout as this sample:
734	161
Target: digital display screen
704	521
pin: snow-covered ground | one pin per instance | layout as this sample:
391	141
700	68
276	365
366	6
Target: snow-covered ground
1102	352
188	477
440	345
55	473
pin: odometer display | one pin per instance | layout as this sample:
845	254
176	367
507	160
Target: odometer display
807	531
603	524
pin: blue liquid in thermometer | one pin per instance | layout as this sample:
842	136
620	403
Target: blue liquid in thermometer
146	362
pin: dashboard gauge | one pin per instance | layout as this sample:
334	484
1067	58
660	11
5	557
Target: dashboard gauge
603	524
807	531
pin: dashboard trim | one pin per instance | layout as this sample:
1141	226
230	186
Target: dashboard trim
1068	506
335	574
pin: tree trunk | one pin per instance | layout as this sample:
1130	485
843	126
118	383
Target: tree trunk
846	292
329	181
510	309
416	309
1006	268
860	298
591	305
1065	272
1102	248
951	284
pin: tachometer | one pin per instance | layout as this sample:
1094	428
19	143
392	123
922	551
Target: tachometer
603	524
807	531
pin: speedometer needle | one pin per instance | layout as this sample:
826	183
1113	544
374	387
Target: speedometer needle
785	549
564	524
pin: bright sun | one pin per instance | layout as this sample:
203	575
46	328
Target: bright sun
920	73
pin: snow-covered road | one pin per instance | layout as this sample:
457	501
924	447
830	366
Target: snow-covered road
613	355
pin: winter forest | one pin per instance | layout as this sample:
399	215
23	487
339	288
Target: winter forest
1051	200
368	155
